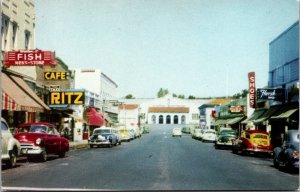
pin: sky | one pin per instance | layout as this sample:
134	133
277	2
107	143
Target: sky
204	48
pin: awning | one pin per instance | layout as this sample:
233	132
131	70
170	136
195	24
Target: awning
94	118
221	122
286	112
266	115
235	120
255	115
17	92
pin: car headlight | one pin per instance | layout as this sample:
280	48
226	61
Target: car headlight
38	141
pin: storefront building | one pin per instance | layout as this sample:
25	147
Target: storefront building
284	74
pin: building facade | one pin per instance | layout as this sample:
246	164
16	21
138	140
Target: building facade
18	30
168	110
284	62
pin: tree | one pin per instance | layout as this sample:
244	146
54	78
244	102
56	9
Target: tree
191	97
181	96
129	96
162	92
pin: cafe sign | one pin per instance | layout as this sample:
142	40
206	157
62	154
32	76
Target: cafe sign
56	75
29	58
271	94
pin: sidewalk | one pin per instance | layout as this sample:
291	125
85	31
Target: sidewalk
78	144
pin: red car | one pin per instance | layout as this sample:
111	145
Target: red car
253	141
40	139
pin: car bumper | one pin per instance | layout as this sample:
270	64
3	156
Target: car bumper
257	150
106	142
32	150
224	144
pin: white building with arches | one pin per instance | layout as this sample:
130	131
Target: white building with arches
168	110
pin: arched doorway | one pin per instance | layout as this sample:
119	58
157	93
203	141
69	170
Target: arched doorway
161	119
175	119
183	119
168	119
153	119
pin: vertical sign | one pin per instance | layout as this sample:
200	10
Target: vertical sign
252	92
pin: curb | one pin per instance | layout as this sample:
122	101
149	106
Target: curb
79	146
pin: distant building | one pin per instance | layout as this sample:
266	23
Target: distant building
167	110
100	89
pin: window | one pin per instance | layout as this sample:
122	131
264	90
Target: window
4	30
4	127
182	119
175	119
161	119
27	38
14	35
195	116
168	120
153	119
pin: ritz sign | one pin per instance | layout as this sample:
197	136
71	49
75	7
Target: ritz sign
29	58
69	97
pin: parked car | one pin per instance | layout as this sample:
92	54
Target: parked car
124	134
146	129
197	134
288	155
224	138
104	136
209	135
10	146
40	139
186	130
176	132
252	141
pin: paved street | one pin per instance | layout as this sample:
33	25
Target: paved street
157	161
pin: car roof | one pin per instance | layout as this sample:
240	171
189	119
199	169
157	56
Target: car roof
256	131
36	123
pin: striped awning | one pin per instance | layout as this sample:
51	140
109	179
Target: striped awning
17	92
9	103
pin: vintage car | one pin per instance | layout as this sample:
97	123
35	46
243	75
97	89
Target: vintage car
288	155
224	138
252	141
209	135
40	139
104	136
124	134
176	132
10	146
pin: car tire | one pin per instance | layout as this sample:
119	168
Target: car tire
91	146
12	162
62	154
43	156
275	163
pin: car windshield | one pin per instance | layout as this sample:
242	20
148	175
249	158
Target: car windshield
260	136
210	132
102	131
38	129
228	132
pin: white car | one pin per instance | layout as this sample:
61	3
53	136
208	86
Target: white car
176	132
10	146
209	135
198	133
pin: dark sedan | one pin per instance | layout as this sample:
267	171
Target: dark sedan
288	154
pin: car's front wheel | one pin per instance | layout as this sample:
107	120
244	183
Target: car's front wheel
43	156
12	162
